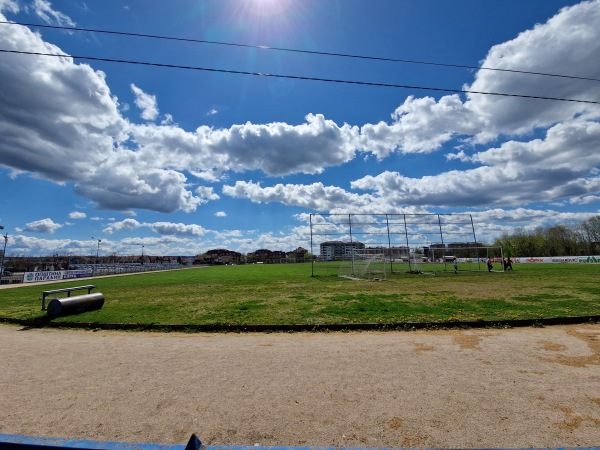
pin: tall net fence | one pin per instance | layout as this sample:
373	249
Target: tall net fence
407	242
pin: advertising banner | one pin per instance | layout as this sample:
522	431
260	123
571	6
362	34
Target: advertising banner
34	277
68	274
54	275
559	260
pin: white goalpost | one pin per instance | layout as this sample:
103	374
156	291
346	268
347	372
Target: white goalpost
364	266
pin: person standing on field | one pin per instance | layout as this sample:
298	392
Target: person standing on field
455	265
489	265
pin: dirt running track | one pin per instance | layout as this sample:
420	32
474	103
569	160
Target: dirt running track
478	388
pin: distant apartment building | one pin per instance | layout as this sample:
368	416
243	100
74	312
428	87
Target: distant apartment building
339	250
389	252
296	256
218	257
266	256
261	255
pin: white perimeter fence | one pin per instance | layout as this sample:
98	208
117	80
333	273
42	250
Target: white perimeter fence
85	271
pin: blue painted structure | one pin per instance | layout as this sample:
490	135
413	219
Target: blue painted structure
18	442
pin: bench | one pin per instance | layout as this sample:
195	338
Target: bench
67	290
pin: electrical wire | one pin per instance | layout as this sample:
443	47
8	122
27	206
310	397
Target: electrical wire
312	52
297	77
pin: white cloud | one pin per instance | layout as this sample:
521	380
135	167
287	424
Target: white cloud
162	228
276	148
210	176
569	43
159	245
584	200
315	196
420	126
10	6
221	214
177	229
44	10
571	146
531	217
146	103
570	39
77	215
280	149
52	111
63	111
41	226
126	225
206	193
168	120
124	182
557	167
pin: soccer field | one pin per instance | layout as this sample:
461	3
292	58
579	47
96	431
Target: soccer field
288	294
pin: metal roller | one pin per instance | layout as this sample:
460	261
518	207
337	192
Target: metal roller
76	304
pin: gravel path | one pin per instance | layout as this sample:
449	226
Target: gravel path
527	387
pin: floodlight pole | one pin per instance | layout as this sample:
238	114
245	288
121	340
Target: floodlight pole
312	254
97	249
3	251
142	245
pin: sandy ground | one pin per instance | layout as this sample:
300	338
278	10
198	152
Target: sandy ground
477	388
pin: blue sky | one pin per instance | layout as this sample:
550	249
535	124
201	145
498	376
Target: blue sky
183	161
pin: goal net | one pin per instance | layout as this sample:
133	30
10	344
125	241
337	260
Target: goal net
472	259
364	266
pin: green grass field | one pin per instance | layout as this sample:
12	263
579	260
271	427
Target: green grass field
287	294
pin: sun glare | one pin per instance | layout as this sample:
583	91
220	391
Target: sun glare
266	20
265	8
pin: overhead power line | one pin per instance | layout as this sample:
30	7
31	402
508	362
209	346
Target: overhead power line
297	77
312	52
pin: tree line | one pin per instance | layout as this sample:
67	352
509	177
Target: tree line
557	240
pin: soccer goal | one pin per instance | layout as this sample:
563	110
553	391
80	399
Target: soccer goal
364	266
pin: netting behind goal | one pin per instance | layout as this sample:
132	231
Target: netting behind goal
472	259
364	266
